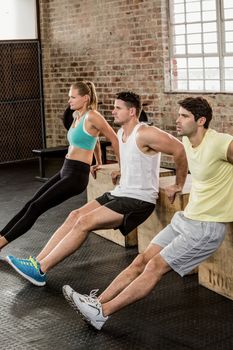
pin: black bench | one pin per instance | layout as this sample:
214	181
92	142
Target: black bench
51	152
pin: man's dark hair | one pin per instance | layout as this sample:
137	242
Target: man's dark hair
131	99
199	107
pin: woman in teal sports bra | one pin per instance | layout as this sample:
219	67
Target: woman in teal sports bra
73	177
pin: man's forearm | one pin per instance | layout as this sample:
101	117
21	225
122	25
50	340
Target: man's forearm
181	169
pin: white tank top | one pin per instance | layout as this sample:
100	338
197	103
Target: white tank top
139	171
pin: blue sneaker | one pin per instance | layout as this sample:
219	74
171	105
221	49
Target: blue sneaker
29	269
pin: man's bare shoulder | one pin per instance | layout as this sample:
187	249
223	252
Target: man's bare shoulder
145	132
146	137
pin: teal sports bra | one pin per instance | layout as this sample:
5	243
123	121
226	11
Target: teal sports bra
79	137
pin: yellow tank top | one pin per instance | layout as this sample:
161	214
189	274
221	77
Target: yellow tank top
211	197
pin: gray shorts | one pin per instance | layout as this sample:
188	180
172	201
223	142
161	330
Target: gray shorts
135	211
186	243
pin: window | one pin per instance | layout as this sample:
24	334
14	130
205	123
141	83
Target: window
201	49
18	20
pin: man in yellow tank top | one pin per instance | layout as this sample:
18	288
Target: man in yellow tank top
211	178
192	235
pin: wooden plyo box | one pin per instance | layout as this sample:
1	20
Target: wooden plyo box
103	183
216	273
166	172
163	212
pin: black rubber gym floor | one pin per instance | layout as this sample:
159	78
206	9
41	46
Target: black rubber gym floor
179	314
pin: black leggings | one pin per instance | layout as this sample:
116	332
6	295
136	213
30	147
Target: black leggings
71	180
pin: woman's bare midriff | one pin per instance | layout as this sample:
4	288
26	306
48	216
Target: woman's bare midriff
80	154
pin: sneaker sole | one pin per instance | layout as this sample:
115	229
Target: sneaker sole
74	306
38	284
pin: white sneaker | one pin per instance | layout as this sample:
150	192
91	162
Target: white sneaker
88	306
68	294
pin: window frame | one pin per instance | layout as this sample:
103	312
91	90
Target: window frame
221	53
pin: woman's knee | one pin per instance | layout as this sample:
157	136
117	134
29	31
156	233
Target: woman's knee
27	206
34	208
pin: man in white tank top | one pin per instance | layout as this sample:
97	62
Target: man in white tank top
129	204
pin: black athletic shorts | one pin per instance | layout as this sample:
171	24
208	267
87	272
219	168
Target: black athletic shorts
135	211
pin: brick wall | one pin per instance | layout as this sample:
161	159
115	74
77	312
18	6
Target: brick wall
119	44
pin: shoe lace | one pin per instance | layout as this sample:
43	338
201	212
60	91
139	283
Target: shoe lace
34	262
92	297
